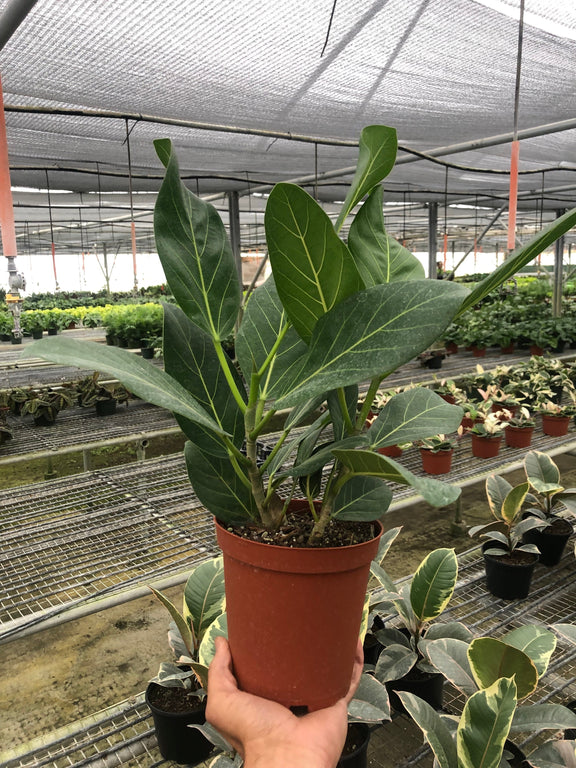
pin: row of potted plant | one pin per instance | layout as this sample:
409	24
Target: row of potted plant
45	403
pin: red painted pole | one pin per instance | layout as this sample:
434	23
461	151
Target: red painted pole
513	197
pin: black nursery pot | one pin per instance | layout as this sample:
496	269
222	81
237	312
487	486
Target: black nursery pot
105	407
433	362
427	686
176	741
509	581
550	541
147	352
358	734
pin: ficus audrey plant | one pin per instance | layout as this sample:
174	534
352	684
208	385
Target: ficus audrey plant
333	315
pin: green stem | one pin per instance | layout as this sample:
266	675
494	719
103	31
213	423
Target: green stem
224	364
262	423
344	409
274	349
367	405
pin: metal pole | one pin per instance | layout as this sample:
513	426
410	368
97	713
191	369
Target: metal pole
432	239
13	15
132	223
558	274
488	226
234	226
106	274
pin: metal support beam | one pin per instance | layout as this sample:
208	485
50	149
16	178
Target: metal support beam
558	271
432	240
13	15
486	229
234	225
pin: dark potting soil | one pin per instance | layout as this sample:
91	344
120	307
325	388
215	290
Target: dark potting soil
296	530
516	558
558	527
173	699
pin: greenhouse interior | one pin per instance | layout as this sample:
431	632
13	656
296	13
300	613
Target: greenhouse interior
288	357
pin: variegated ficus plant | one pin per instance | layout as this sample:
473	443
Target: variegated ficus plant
334	314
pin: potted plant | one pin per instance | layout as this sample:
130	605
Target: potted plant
403	664
5	431
487	436
176	696
334	314
46	404
508	560
104	398
449	391
432	358
519	429
494	675
555	417
551	503
436	453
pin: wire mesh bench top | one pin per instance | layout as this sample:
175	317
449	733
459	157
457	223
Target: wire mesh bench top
124	735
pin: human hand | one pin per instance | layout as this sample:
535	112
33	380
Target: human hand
267	734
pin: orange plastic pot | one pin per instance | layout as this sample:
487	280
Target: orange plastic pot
294	616
518	437
536	350
439	463
555	426
485	447
393	451
479	351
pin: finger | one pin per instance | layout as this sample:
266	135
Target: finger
356	671
220	674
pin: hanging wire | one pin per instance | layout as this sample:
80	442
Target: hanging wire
515	151
130	195
316	172
404	219
329	28
445	219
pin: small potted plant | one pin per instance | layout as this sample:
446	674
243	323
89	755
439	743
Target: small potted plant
176	696
403	664
487	436
509	561
500	400
104	398
432	358
5	431
448	390
551	503
436	453
555	417
519	429
45	404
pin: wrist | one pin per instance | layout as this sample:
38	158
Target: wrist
284	756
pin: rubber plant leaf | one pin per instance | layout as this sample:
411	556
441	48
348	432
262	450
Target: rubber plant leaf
536	642
497	488
450	657
204	595
139	376
218	628
433	728
386	541
532	718
376	157
379	257
183	627
554	754
513	502
413	415
374	464
312	267
542	473
190	358
265	341
362	498
485	724
433	584
195	253
370	703
567	631
520	257
491	659
394	662
376	330
218	487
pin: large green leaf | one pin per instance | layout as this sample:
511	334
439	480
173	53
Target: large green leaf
433	584
491	659
554	754
450	657
497	489
263	322
485	724
370	703
379	257
315	459
372	332
434	729
513	502
376	158
521	256
190	358
138	375
362	498
536	642
542	473
313	269
338	421
369	463
532	718
394	662
386	541
204	595
413	415
218	486
218	628
195	253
